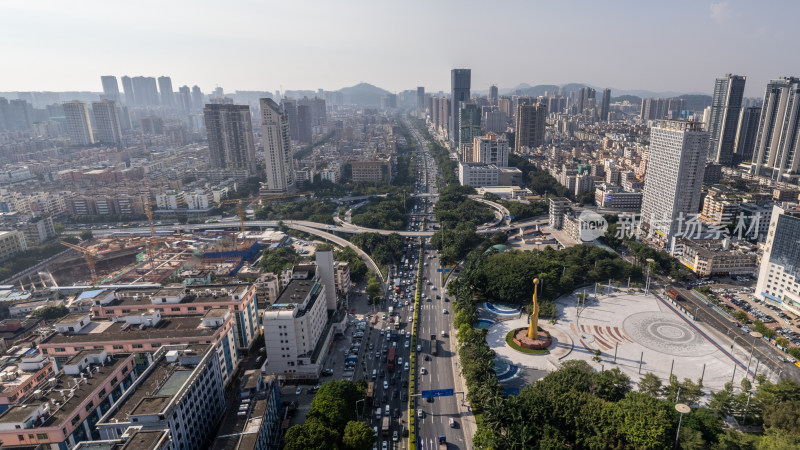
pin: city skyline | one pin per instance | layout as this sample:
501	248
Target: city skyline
730	37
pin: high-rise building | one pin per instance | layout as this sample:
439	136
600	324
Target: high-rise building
230	137
586	97
15	114
185	99
469	125
445	105
530	126
79	127
198	99
723	120
746	132
491	149
779	275
776	154
106	121
289	106
420	98
127	86
110	87
493	94
303	124
317	109
674	177
167	94
277	147
605	105
460	81
145	91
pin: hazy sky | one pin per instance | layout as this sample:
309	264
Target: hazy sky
665	45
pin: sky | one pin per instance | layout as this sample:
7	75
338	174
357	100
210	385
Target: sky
664	45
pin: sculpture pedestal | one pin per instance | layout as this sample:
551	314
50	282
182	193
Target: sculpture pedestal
542	341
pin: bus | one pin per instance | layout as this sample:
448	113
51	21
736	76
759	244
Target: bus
673	294
397	322
374	320
390	358
433	344
370	389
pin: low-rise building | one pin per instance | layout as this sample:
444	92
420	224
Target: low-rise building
378	170
143	334
181	391
342	277
63	411
22	370
478	174
710	257
11	243
609	196
256	425
240	299
558	207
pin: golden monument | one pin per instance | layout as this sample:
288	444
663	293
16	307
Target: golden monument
533	329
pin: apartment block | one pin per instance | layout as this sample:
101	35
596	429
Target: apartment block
779	274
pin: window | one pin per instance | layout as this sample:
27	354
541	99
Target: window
114	381
41	436
175	309
117	347
89	406
102	392
137	346
75	420
192	308
60	350
155	345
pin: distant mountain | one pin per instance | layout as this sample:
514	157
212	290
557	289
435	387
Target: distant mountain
363	94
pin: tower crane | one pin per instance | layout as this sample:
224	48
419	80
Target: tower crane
90	259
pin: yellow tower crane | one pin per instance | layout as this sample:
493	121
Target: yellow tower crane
90	259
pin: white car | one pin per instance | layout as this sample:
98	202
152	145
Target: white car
385	384
385	445
407	344
420	413
405	367
422	370
298	391
444	311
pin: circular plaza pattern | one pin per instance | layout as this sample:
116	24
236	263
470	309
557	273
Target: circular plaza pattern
666	333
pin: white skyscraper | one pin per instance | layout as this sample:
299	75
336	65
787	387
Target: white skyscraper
674	177
277	147
777	144
779	276
106	120
79	127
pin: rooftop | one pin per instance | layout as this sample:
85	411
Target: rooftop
294	294
154	393
104	331
204	294
75	391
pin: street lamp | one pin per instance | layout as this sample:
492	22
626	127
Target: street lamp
357	415
756	335
647	285
683	409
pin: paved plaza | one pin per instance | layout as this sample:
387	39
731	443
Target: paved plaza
638	328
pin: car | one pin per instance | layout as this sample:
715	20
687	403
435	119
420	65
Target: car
395	437
422	370
385	445
375	429
444	333
405	367
444	311
385	384
420	413
406	344
419	348
371	346
383	317
395	393
298	391
377	355
327	372
400	361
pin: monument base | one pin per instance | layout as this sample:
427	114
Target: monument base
542	341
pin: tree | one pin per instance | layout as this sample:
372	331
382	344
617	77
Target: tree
335	403
741	316
651	385
691	439
721	402
612	385
51	312
86	235
782	342
641	421
312	435
373	287
358	436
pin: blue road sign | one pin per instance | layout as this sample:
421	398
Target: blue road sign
510	217
437	393
443	270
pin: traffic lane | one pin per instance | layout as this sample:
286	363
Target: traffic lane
763	351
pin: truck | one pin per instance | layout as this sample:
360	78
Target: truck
442	442
673	294
385	426
391	311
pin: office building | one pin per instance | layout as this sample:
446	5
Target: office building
64	410
477	174
558	207
277	147
610	196
746	133
110	87
460	82
530	126
145	91
230	137
184	100
127	87
79	128
493	94
779	275
776	153
605	105
106	122
490	149
377	170
469	125
420	98
674	177
180	392
723	121
167	94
